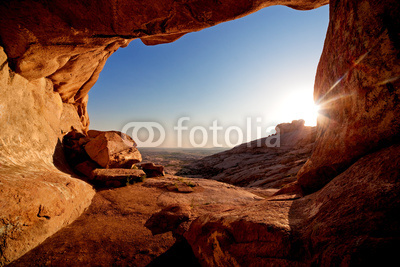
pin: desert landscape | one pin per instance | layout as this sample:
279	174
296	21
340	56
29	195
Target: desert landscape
74	196
124	224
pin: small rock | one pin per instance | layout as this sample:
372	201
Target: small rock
168	219
116	174
183	188
180	187
152	170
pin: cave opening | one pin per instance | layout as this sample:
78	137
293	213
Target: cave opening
326	213
258	70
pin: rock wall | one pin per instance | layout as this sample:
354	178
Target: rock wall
352	221
357	86
37	198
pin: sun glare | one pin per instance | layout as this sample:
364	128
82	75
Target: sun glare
298	106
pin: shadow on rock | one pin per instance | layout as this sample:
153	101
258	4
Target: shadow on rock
180	254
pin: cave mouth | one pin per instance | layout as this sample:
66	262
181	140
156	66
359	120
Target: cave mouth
259	69
66	52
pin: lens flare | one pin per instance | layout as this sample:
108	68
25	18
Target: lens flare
298	105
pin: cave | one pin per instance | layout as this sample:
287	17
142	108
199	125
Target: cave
52	53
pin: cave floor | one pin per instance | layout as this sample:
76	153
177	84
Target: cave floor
110	232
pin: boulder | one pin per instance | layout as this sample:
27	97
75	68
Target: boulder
151	169
113	150
73	146
116	177
36	204
168	219
180	187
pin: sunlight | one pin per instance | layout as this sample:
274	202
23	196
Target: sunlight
298	105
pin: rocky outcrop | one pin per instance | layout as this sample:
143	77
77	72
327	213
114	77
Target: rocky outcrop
357	86
345	223
38	194
270	162
36	204
151	169
106	159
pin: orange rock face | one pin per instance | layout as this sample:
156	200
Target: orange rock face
352	221
357	86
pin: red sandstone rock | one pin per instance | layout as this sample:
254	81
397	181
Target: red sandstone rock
152	170
110	232
86	168
357	85
38	196
353	220
36	204
296	125
168	219
113	226
116	177
110	150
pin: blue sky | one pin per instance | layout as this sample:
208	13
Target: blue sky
261	66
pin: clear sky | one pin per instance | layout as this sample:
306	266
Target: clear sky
257	71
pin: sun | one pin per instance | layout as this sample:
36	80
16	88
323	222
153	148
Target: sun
297	105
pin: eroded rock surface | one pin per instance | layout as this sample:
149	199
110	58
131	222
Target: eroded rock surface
151	169
38	195
116	177
112	231
357	86
353	220
36	204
